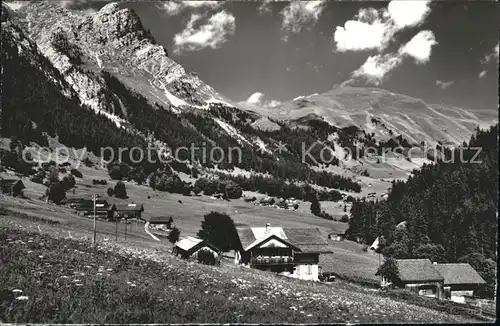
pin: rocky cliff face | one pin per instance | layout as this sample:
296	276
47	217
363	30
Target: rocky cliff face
112	39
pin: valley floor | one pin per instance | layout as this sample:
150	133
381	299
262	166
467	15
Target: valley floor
64	279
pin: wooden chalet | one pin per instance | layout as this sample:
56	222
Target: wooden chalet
282	204
189	247
12	187
86	207
460	281
291	251
339	231
418	275
129	210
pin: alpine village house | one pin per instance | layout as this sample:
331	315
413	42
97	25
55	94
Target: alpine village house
448	281
289	251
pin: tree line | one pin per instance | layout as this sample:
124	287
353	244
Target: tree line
448	209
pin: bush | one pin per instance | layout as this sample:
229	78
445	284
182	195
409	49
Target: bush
296	206
120	190
118	171
389	269
325	215
76	173
233	190
53	176
99	182
68	182
315	206
38	177
87	162
206	257
110	192
219	230
174	235
62	170
344	218
56	193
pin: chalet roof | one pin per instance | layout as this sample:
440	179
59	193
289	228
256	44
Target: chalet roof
188	243
267	237
90	202
158	219
306	239
8	181
192	244
11	182
339	228
129	207
417	270
459	274
401	225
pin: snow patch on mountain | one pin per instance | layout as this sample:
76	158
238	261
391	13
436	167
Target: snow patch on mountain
262	146
232	131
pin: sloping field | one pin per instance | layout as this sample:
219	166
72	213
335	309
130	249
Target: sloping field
67	281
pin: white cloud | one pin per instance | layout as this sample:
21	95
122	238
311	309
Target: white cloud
176	7
211	34
483	73
420	46
408	13
444	84
300	14
374	29
257	99
492	55
377	67
357	35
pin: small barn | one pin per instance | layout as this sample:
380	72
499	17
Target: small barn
460	281
282	205
266	201
337	236
130	210
13	187
418	275
339	231
160	220
189	247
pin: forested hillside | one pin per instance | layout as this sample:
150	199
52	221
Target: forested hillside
449	210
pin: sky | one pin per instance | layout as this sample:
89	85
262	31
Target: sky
271	52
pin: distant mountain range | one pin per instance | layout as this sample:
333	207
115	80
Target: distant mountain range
107	63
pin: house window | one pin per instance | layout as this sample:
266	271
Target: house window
426	291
